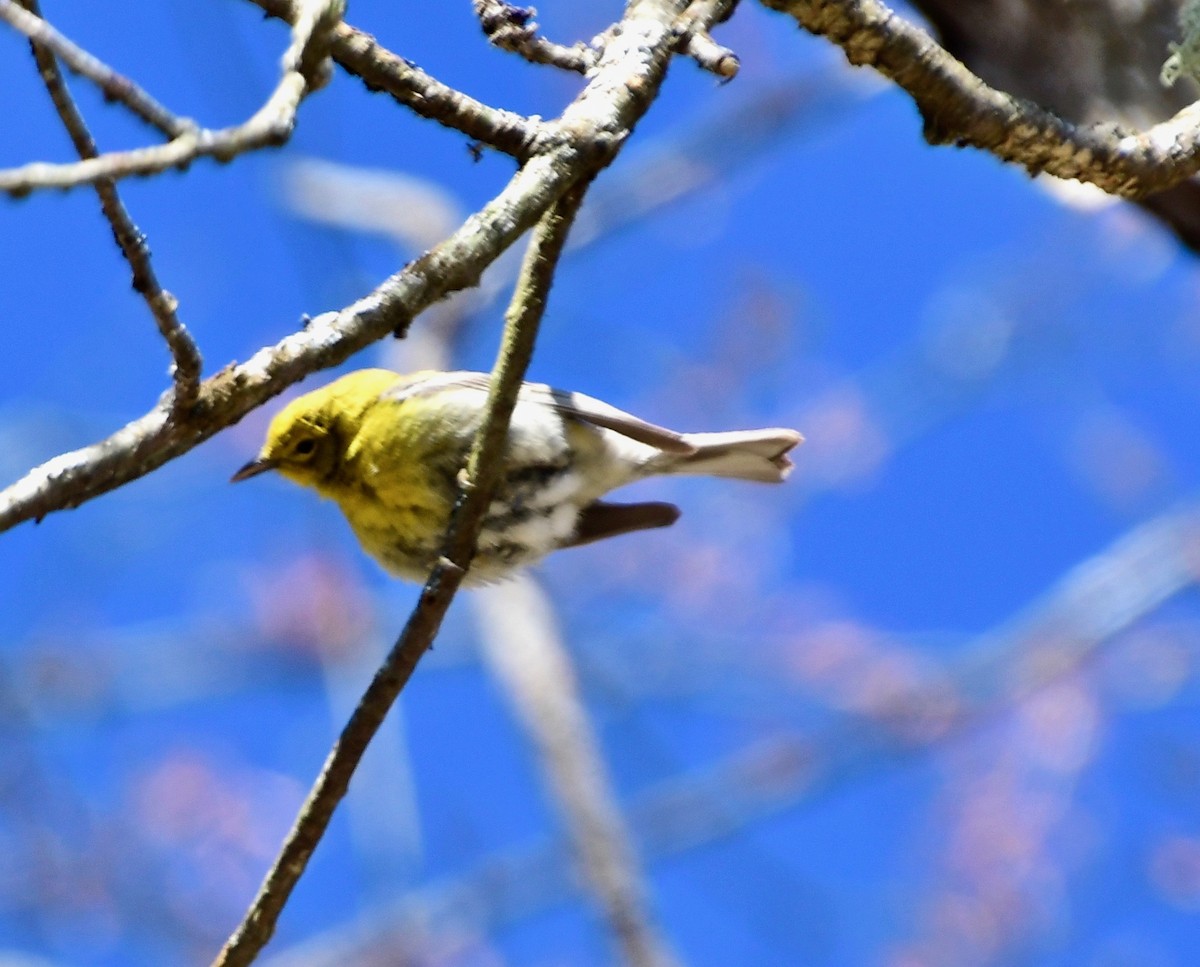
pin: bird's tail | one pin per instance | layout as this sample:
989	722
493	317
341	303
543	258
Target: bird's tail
742	454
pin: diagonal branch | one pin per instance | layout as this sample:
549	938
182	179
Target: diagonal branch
186	368
304	70
115	87
381	70
959	108
482	474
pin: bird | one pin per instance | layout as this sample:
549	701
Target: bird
388	449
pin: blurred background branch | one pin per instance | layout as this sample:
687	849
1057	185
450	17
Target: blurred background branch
523	649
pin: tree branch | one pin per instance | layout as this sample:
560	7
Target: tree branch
959	108
185	370
609	106
1095	61
482	474
381	70
115	87
304	70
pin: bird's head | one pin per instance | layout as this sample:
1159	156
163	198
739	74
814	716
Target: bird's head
307	439
302	443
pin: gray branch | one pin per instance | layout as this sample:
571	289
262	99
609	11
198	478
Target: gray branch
304	70
959	108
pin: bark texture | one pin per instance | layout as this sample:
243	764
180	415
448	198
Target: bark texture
1086	60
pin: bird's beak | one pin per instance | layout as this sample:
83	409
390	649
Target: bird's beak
253	469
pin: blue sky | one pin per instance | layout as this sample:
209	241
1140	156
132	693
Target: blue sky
995	385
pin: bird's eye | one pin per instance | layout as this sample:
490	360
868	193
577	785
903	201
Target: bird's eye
305	447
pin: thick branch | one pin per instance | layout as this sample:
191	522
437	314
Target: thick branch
483	472
304	70
959	108
186	367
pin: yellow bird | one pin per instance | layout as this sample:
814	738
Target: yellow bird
388	450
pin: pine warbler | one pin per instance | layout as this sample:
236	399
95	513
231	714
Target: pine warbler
388	450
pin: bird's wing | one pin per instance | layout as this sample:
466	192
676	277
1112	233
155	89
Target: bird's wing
575	405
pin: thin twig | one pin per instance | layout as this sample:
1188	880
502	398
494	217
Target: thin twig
381	70
115	87
482	473
186	356
304	70
513	28
960	109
